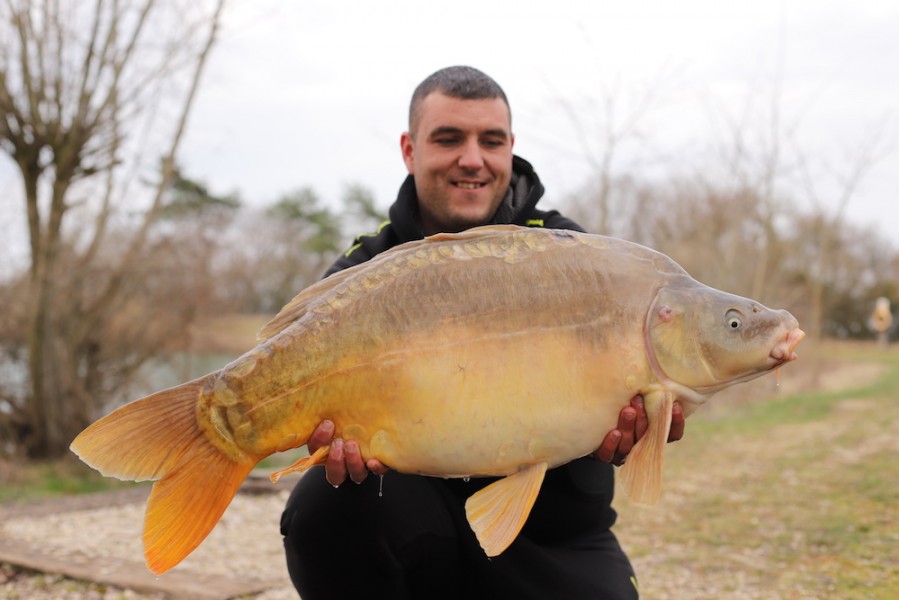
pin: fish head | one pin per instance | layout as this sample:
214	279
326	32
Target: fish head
705	339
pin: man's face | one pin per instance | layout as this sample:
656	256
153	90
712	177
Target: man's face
461	157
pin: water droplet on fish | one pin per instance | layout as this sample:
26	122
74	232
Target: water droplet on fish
335	486
381	487
777	378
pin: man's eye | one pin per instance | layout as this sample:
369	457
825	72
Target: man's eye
446	141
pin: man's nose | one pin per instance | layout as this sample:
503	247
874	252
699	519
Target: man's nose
471	157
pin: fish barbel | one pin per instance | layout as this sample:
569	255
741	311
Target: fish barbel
499	351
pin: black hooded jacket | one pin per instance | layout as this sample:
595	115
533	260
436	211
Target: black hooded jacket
575	498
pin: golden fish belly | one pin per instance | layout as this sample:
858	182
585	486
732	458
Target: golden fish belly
485	405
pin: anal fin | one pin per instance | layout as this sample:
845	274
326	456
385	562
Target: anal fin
498	512
641	474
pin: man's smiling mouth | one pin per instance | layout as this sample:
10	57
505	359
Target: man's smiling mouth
469	185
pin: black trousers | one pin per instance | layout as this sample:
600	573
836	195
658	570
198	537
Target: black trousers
413	542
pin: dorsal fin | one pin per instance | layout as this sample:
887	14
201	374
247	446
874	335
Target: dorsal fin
297	307
476	232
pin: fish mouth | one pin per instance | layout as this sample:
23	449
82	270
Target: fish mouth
784	349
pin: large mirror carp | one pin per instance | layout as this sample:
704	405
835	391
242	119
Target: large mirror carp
499	351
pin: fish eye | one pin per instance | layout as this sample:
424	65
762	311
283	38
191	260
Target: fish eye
734	320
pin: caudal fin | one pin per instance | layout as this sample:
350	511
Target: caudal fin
187	503
158	438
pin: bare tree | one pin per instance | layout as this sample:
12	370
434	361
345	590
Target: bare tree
768	165
612	133
276	252
83	90
845	179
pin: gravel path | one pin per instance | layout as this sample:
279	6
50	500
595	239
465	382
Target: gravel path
245	543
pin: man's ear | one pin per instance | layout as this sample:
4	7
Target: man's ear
407	149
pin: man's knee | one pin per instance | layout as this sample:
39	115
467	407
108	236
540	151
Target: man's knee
404	538
399	508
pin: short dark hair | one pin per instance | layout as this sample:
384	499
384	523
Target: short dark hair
466	83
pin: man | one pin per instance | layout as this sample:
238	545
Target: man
404	536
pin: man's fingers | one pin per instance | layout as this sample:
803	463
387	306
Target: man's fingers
376	466
641	420
335	465
627	422
354	464
632	425
321	436
606	450
678	423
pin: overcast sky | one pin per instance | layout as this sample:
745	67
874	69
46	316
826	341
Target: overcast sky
303	93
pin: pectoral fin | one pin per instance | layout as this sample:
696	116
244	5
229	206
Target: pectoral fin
307	462
498	512
641	475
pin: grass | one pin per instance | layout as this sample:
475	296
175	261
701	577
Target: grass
23	482
793	496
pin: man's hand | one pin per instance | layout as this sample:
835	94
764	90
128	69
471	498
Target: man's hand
632	424
344	457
